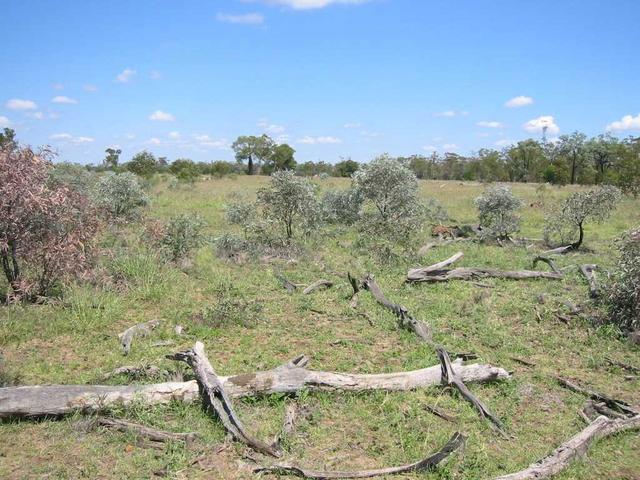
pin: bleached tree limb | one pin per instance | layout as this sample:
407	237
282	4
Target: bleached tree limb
415	274
290	378
573	448
427	464
144	431
317	285
474	273
615	404
215	396
589	271
127	336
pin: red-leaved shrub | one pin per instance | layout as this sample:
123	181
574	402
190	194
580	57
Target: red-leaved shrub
45	231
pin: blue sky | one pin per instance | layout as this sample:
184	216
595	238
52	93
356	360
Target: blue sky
334	78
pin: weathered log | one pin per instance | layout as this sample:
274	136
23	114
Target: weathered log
215	397
449	377
144	431
415	274
573	448
317	285
589	271
127	336
291	414
439	413
548	261
615	404
290	378
558	250
427	464
623	365
419	327
474	273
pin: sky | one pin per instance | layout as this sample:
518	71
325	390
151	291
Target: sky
333	78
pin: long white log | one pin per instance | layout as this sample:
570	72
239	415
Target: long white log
289	378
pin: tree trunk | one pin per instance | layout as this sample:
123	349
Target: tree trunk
576	245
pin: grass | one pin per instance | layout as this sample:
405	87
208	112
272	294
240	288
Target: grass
75	341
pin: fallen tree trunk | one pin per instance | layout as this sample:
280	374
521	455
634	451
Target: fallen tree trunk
215	397
406	320
474	273
573	448
317	285
589	271
417	273
290	378
613	403
427	464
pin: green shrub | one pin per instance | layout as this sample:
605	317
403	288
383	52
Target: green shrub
120	194
497	207
71	175
230	308
182	235
341	206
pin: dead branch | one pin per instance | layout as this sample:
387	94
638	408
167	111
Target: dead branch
289	378
589	271
417	273
573	448
548	261
405	319
558	250
142	329
450	378
215	396
427	464
523	361
614	404
290	287
317	285
623	365
292	412
144	431
439	413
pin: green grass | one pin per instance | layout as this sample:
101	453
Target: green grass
75	341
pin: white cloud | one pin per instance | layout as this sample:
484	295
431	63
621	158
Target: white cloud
206	141
160	116
174	135
67	137
489	124
446	113
368	134
126	75
241	19
628	122
519	101
58	86
20	104
536	125
155	75
311	4
129	136
154	141
319	140
90	88
271	128
4	122
450	146
63	99
503	142
352	125
430	148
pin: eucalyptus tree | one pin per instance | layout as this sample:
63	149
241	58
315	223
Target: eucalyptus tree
252	149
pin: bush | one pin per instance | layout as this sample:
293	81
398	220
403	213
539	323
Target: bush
242	214
185	170
73	176
230	308
622	294
46	231
182	235
120	194
566	220
232	247
143	164
289	202
391	190
435	212
497	208
341	206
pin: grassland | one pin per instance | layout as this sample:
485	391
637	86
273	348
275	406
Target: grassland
75	341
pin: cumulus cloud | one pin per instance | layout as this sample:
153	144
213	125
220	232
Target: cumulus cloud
4	122
206	141
58	86
126	75
319	140
489	124
271	128
519	101
174	135
241	19
537	125
310	4
20	104
451	113
352	125
628	122
450	146
160	116
68	138
63	99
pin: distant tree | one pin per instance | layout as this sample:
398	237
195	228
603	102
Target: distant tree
220	168
8	138
567	219
523	159
573	149
120	194
111	159
253	150
281	159
346	168
185	169
626	169
497	207
602	152
143	164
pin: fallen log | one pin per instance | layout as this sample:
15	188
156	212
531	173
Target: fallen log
317	285
573	448
623	365
127	336
427	464
420	328
290	378
214	396
143	431
417	273
617	405
589	271
449	377
474	273
559	250
548	261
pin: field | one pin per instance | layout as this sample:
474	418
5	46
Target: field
74	341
